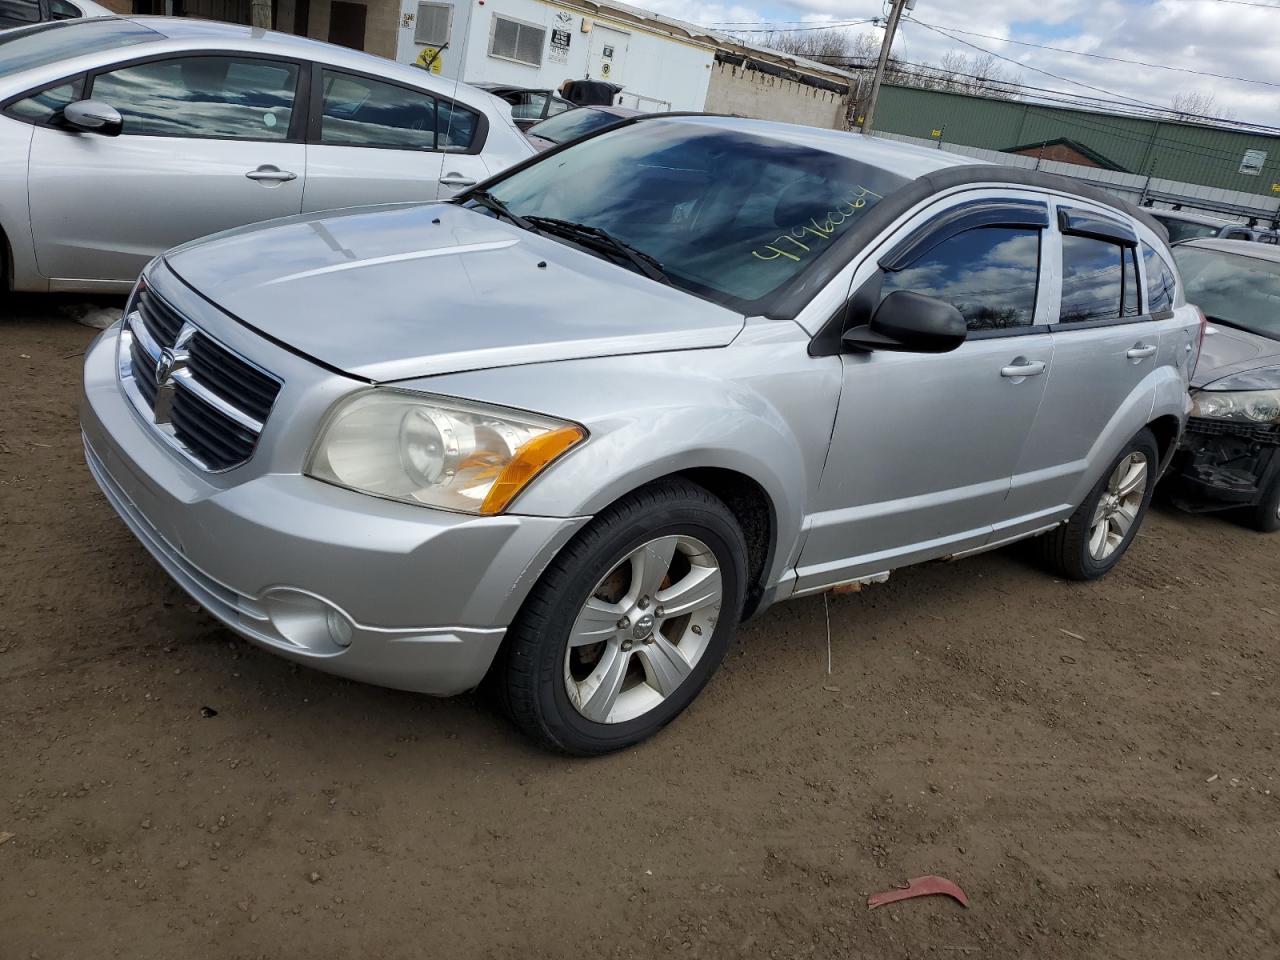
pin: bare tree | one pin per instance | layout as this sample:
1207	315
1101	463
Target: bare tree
1198	104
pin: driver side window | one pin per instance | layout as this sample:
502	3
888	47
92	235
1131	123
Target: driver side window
990	274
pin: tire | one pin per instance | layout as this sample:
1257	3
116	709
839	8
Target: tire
1265	517
1070	550
610	564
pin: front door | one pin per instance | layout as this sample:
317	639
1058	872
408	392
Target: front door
208	143
925	446
608	54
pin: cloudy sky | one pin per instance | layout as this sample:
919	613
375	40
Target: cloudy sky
1230	37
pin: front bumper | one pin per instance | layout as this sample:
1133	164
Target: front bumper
381	592
1221	465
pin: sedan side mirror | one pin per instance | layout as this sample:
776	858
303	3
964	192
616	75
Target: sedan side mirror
93	116
910	322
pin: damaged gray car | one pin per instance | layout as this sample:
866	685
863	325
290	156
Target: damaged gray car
1230	455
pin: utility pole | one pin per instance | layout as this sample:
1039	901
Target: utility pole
895	14
260	14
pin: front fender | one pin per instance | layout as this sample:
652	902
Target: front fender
763	409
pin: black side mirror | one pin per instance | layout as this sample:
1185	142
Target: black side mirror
910	322
93	116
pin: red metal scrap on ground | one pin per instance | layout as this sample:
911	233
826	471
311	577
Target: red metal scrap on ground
919	887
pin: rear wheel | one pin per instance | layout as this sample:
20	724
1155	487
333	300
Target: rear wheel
1265	517
628	623
1104	525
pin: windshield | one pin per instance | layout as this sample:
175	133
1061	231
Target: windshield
1236	290
1180	230
730	216
572	124
52	42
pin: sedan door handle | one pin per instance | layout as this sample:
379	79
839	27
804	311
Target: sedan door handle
271	174
457	180
1140	351
1022	368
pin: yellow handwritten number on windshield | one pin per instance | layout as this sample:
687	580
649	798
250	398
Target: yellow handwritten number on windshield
791	244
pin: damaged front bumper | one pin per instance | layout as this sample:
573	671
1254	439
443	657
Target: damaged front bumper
1221	465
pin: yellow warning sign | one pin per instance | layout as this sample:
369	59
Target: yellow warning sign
936	133
430	55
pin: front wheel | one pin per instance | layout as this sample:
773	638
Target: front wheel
1100	531
1265	516
628	623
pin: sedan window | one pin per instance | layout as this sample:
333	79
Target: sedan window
1099	281
218	97
41	46
61	10
1180	230
731	216
529	106
15	13
359	112
988	274
573	124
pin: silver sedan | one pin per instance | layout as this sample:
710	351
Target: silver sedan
120	138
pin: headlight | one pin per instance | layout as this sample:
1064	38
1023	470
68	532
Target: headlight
436	451
1249	406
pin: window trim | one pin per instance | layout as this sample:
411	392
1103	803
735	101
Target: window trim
493	32
315	115
970	215
1069	216
297	117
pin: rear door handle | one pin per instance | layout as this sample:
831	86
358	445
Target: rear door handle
1140	351
457	180
1021	368
271	174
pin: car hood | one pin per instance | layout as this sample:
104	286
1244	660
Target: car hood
1227	350
406	291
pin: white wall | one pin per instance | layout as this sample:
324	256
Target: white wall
671	73
750	93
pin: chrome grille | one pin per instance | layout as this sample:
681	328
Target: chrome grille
206	401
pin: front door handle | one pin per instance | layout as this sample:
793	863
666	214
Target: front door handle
1140	351
267	173
457	180
1021	368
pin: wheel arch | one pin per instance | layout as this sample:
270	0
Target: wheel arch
1167	430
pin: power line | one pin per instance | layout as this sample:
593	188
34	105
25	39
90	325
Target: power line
1025	66
1245	3
1099	56
825	26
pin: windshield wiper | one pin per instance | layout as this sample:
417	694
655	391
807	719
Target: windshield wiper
604	242
487	200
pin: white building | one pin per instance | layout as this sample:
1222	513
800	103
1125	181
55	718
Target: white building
539	43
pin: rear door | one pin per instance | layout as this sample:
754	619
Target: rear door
377	142
1105	345
925	445
209	143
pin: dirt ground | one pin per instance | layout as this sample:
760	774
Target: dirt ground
1098	766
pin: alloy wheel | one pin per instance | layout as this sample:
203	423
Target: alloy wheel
1119	505
643	629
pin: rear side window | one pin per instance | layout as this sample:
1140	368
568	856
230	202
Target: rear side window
1099	280
1160	282
61	10
359	112
209	97
989	274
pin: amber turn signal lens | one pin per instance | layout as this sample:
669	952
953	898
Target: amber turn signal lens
529	461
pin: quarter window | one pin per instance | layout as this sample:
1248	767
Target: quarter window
514	40
203	97
989	274
43	106
1160	281
366	113
61	10
1099	280
456	128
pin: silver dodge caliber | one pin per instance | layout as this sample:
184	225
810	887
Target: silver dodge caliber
565	432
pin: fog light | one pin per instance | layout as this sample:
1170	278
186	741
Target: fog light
339	628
